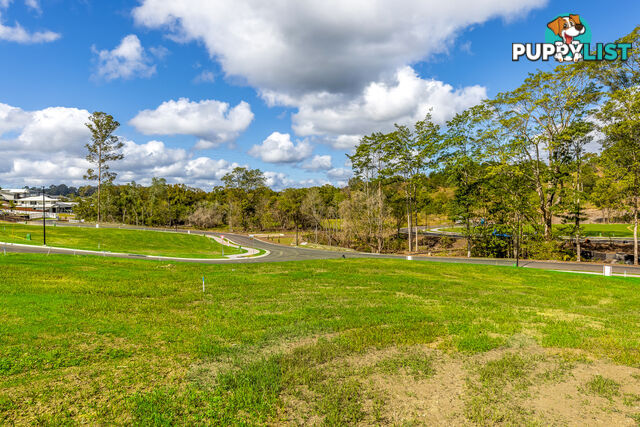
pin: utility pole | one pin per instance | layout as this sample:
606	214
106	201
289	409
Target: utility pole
44	221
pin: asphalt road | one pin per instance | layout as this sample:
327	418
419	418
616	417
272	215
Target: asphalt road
281	253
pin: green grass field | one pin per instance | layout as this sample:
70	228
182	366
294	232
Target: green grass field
117	240
608	230
589	230
105	341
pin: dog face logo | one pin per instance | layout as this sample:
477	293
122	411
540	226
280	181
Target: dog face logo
567	28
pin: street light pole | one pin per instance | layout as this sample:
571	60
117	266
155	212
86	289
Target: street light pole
44	222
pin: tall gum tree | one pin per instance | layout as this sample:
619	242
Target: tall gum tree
368	163
103	149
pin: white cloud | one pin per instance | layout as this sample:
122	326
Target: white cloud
18	34
12	118
153	154
296	47
212	121
345	66
159	52
33	4
49	170
48	146
343	142
55	129
209	169
278	148
205	76
404	100
49	130
279	181
318	163
340	173
128	60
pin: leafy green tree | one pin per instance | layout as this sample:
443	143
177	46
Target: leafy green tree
607	195
621	148
244	188
620	115
618	74
314	208
531	120
407	152
103	149
577	137
461	156
290	203
369	163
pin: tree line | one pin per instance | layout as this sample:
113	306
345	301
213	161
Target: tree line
504	171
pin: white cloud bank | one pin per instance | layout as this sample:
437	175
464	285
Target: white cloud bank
48	146
344	65
338	46
405	99
213	122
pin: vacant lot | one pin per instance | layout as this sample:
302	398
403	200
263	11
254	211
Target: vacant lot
116	240
93	340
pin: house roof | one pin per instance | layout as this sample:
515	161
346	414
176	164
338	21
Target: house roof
38	199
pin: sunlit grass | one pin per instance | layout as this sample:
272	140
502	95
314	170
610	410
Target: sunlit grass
117	240
102	341
588	230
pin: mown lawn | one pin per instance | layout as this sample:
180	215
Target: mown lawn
608	230
588	230
103	341
117	240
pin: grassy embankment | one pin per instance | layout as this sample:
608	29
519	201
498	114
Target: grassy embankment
94	340
589	230
117	240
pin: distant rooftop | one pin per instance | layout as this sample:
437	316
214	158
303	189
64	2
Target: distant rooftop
15	190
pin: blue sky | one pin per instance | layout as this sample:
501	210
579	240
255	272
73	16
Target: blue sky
280	88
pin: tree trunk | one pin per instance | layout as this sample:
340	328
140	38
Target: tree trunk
380	236
296	225
547	225
635	232
409	227
518	243
468	238
416	245
578	248
99	182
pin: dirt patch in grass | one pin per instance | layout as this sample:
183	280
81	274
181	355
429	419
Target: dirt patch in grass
549	387
432	400
600	393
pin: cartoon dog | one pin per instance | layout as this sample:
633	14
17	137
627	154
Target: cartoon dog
567	27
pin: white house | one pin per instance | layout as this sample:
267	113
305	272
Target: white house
51	204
